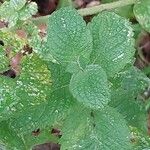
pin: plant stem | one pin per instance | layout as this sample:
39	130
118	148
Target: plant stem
108	6
92	10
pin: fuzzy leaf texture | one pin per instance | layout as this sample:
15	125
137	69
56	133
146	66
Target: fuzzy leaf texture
14	10
11	40
68	37
142	141
29	90
4	60
97	130
28	11
53	111
13	141
9	138
38	43
142	13
113	43
90	87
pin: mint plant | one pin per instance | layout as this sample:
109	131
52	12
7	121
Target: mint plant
80	79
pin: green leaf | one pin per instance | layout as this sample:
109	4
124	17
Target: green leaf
44	136
28	11
30	89
130	108
125	97
90	87
11	40
52	112
142	13
131	79
29	120
76	66
60	78
14	10
68	36
8	11
139	140
4	60
8	98
17	4
38	43
2	147
10	139
113	42
99	130
14	141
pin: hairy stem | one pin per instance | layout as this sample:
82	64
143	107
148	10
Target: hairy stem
92	10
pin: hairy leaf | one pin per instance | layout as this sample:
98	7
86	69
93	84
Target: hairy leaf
142	13
28	11
17	4
113	42
140	141
90	87
14	141
14	10
51	112
9	138
12	42
96	130
68	36
4	60
27	91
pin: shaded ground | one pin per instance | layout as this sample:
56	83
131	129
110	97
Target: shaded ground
47	146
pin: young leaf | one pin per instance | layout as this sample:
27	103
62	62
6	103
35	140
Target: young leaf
142	13
14	10
27	12
68	36
99	130
12	6
8	11
113	42
90	87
